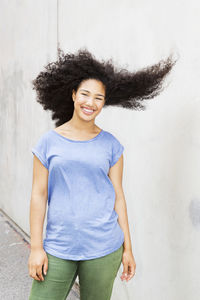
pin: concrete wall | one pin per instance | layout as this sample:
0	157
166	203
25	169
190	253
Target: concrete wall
28	37
161	157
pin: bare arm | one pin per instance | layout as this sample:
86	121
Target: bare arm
39	196
38	203
116	175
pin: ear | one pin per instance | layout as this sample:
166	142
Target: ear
73	95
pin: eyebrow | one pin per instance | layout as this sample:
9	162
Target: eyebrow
96	94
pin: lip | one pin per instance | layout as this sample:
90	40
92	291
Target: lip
87	113
87	108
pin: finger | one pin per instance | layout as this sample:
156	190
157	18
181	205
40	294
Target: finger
130	269
36	277
125	272
32	273
131	272
39	273
130	276
45	266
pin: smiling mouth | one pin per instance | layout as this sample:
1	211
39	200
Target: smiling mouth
87	111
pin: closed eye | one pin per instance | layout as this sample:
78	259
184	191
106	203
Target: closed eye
87	95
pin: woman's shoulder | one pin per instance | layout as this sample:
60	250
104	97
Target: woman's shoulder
45	136
110	136
113	140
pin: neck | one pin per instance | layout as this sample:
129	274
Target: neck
81	125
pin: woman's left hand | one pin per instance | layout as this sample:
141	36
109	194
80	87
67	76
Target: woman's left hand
129	265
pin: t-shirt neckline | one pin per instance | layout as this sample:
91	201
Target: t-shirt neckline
77	141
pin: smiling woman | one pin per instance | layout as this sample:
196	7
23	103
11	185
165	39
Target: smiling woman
78	169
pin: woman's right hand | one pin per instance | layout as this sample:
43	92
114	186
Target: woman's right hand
37	260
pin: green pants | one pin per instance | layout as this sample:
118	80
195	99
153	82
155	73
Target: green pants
96	277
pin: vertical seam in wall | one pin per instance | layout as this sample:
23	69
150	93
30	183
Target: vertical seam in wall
57	29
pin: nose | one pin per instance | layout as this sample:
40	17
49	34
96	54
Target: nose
89	102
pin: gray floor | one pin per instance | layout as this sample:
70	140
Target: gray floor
15	282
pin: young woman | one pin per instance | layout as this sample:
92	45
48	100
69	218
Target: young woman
78	170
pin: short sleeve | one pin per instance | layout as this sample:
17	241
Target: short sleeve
40	150
117	150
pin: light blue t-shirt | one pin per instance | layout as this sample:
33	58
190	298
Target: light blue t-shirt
81	221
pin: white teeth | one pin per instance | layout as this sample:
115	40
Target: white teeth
87	110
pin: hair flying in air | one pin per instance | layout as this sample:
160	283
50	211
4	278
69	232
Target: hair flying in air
123	88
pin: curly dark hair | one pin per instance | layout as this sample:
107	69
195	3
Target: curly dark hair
123	88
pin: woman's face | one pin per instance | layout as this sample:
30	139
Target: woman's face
89	98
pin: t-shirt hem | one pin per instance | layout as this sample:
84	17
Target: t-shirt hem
81	257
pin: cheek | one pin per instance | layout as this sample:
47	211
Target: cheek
100	106
78	103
